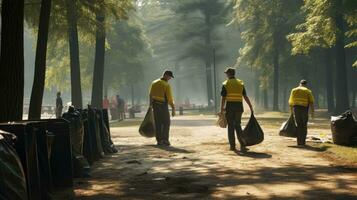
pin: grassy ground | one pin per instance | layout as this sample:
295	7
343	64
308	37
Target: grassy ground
347	155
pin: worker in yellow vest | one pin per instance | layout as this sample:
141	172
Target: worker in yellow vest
160	97
300	101
232	95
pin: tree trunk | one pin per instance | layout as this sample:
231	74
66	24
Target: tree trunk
98	72
76	91
106	88
329	82
354	96
179	98
342	103
285	96
208	60
257	88
40	62
316	84
276	81
132	95
265	95
12	60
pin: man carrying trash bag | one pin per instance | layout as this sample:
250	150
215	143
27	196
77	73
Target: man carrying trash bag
300	101
160	96
232	95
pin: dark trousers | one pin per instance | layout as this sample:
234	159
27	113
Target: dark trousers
301	115
234	117
162	121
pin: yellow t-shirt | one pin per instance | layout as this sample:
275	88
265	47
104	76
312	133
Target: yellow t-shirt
301	96
160	90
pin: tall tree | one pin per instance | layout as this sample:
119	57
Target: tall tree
199	30
264	26
76	90
325	26
12	60
341	72
98	72
40	61
118	10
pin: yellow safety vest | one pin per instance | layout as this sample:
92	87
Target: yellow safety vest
301	96
234	89
160	90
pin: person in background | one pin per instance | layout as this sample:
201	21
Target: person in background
301	101
160	97
121	108
59	105
105	102
232	95
113	108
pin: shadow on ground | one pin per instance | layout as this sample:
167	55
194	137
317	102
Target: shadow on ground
151	172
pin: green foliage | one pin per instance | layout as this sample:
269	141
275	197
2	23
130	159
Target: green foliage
264	26
58	71
319	27
129	50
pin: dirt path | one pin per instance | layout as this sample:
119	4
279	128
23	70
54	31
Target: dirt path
199	166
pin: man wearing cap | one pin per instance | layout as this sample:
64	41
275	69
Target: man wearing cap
160	96
232	95
300	101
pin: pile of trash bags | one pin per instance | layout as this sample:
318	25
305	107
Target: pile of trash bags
12	176
344	129
252	132
81	166
90	136
289	128
147	127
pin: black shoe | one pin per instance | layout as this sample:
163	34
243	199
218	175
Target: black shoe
232	149
160	143
243	149
166	143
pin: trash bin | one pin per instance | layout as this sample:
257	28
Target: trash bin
26	148
44	145
61	153
12	176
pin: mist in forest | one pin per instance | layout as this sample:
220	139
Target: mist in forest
197	40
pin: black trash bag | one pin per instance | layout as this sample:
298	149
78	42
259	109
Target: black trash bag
88	150
12	175
289	128
252	133
77	129
147	127
81	166
107	143
344	129
93	149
